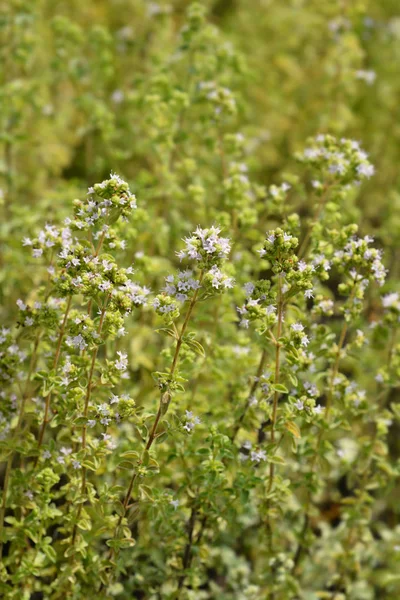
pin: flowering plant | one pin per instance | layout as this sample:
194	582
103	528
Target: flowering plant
199	361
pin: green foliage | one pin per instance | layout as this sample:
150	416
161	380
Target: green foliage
199	359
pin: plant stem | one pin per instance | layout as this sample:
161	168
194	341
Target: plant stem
85	413
335	370
188	549
16	432
152	433
329	397
253	389
276	377
55	364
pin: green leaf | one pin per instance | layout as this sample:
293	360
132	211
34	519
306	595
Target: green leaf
119	508
145	458
196	346
127	543
278	460
50	553
293	428
130	454
126	464
88	464
167	331
280	388
161	437
85	524
80	421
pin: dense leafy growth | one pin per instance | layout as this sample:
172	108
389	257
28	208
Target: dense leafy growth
199	357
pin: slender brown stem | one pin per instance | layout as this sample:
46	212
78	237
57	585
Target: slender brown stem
152	433
85	413
253	389
329	397
187	555
276	377
55	364
335	369
184	326
16	432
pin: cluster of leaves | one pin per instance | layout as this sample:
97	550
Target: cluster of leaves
199	387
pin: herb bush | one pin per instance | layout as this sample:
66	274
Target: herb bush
199	357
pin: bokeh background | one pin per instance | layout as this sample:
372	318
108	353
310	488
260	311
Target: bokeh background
91	86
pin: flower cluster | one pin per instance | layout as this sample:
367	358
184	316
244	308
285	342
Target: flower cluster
278	249
206	247
337	160
105	203
259	305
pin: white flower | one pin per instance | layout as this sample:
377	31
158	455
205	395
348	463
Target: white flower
301	265
191	422
117	96
367	76
257	456
21	305
366	170
65	451
122	363
253	401
104	286
175	503
253	302
299	405
391	300
77	342
297	327
240	350
305	340
326	305
249	288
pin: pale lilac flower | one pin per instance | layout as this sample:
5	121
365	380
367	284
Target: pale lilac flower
122	363
366	170
258	455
